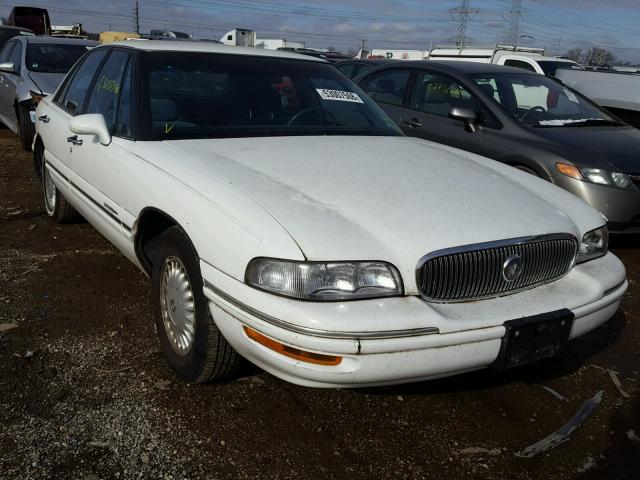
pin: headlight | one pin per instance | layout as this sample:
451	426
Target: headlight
324	280
594	244
595	175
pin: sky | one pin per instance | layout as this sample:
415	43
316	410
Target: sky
557	25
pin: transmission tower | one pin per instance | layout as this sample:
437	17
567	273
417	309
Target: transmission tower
515	15
136	18
463	14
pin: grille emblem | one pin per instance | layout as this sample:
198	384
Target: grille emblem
512	268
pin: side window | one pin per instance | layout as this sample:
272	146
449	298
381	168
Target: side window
438	94
519	64
16	56
124	121
74	98
6	52
105	96
388	86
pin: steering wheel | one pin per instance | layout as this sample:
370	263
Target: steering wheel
301	113
537	108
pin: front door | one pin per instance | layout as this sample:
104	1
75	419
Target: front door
97	168
432	97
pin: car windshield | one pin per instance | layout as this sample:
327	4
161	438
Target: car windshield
53	58
201	95
549	67
538	101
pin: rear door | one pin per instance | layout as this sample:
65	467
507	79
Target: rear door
53	121
388	88
12	52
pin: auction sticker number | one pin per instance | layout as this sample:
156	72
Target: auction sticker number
339	95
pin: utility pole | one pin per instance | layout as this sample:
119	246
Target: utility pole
515	14
462	14
136	18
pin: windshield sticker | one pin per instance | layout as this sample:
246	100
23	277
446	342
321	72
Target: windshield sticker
571	96
565	121
339	95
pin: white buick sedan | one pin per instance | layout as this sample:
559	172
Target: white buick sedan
283	218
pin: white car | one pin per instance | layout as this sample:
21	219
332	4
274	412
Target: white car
283	218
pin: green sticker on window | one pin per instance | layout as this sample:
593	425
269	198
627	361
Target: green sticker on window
106	85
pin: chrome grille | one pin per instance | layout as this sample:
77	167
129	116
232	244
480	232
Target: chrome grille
635	179
476	271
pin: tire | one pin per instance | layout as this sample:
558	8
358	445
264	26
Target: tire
55	204
26	129
190	341
528	170
38	159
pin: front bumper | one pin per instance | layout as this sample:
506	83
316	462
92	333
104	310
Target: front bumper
621	207
400	340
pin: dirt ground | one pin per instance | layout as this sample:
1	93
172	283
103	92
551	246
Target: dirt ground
85	393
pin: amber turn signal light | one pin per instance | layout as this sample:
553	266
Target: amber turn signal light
287	351
569	170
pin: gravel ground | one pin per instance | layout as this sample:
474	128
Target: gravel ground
85	393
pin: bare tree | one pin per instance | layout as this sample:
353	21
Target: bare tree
592	56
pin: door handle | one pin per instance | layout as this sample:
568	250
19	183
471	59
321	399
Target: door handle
44	118
414	123
75	140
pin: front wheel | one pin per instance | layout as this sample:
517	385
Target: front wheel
55	204
189	338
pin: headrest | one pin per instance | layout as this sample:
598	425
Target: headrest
488	89
163	110
385	86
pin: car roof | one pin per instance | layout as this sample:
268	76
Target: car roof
207	47
58	40
366	61
461	67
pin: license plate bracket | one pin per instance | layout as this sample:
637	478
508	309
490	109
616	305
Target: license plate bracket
534	338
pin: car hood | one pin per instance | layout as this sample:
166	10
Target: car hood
383	198
617	145
46	82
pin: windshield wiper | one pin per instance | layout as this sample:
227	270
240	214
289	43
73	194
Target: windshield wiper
580	123
596	123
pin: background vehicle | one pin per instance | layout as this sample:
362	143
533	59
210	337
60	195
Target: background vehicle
353	68
391	54
31	68
35	19
617	92
531	59
7	32
522	119
300	234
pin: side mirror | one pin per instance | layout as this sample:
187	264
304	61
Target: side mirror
91	124
467	115
7	67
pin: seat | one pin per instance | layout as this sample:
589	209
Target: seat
165	116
